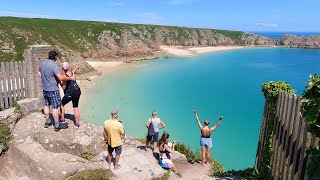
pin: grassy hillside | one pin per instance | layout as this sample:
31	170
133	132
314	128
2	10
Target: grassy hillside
73	35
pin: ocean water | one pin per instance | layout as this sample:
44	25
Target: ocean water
223	83
278	35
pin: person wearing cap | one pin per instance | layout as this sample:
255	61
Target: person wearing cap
113	132
72	93
51	78
205	140
153	130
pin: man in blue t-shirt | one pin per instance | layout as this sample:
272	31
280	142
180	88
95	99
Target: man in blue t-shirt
51	78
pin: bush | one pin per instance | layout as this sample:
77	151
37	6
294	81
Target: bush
249	173
5	136
188	152
166	176
99	174
87	156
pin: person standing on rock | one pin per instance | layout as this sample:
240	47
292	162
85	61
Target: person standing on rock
113	134
72	93
205	140
51	78
153	130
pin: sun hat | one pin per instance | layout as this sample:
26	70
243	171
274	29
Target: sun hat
65	66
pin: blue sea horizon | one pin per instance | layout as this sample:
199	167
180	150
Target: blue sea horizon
224	83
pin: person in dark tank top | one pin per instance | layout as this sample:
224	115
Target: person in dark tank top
69	95
205	140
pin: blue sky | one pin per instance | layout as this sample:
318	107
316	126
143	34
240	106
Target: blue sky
245	15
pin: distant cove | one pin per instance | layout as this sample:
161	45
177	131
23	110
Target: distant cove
223	83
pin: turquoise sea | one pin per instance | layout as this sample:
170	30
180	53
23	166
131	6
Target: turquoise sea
224	83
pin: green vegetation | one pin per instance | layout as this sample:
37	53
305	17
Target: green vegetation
99	174
16	106
82	36
87	156
311	112
188	152
5	136
166	176
249	173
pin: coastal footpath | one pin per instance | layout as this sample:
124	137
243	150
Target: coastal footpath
81	41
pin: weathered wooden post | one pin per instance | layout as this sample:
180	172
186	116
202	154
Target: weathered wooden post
34	54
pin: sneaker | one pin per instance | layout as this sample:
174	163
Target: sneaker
47	123
57	126
64	125
77	125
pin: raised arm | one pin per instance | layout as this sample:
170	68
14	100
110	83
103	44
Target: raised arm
197	118
74	70
217	125
162	124
170	150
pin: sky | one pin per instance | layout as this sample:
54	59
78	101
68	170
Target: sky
243	15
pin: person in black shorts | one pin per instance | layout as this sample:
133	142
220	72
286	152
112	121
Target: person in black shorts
71	93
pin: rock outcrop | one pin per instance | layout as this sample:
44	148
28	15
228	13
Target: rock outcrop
299	42
39	153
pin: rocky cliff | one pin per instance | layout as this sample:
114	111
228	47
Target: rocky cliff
102	41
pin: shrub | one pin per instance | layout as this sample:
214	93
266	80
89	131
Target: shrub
5	136
87	156
99	174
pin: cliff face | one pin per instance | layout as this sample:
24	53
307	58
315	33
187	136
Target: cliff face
76	40
299	42
80	40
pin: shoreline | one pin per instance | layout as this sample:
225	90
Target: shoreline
104	68
194	51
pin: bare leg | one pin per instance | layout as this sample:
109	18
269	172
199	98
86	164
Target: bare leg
147	144
109	159
155	146
62	112
76	115
116	162
208	154
174	168
46	112
203	149
55	114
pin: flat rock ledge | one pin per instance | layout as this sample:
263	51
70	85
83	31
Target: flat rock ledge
40	153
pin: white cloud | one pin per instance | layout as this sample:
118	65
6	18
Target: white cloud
149	17
24	14
118	4
266	24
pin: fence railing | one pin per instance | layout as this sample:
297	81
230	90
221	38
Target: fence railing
290	139
12	83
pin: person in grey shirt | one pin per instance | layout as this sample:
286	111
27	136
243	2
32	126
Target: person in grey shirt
51	78
153	130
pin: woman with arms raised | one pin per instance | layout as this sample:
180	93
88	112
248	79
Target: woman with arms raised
205	140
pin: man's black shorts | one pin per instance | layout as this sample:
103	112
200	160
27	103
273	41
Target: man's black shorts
118	149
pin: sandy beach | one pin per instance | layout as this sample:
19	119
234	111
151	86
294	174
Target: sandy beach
193	51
